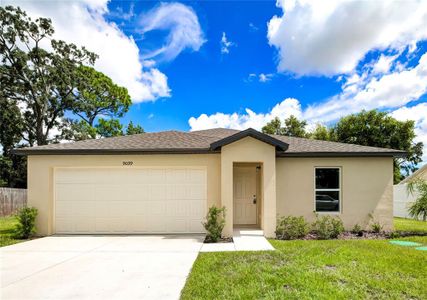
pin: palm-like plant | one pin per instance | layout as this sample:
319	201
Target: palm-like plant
419	208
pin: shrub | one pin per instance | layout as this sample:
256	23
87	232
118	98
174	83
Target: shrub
215	222
26	226
376	227
290	228
394	235
418	209
357	229
327	227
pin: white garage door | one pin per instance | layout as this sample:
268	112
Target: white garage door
129	200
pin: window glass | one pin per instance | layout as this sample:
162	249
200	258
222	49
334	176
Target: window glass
327	189
327	200
327	178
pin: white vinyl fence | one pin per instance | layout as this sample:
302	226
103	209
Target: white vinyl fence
11	200
402	200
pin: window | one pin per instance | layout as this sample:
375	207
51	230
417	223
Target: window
328	189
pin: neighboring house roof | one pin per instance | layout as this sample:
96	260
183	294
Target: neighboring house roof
205	141
420	173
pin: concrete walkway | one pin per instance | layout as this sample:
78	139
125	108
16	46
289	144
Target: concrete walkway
98	267
243	240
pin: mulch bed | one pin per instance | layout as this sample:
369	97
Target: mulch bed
221	240
368	235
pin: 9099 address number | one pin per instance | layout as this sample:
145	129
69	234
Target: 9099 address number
128	163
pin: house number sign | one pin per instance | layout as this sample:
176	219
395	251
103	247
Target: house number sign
128	163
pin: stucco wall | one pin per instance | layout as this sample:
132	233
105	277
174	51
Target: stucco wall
367	187
250	150
41	173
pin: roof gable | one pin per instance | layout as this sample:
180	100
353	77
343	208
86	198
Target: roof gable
281	146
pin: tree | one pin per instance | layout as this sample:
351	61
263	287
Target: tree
419	207
41	79
41	82
273	127
132	129
292	127
13	169
378	129
98	95
321	132
109	128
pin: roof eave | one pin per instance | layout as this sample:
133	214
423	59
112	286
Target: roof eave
396	154
27	152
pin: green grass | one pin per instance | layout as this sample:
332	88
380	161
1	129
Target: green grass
334	269
7	225
401	224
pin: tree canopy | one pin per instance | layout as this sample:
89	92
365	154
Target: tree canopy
291	127
50	91
368	128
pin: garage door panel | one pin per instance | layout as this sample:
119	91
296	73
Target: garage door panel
69	192
195	226
146	200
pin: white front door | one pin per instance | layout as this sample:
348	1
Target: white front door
244	208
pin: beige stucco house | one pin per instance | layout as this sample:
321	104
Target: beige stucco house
164	182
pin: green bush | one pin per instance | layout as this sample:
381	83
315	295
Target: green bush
376	227
327	227
291	228
26	226
357	229
215	222
418	187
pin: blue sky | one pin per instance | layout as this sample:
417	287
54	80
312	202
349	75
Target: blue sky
200	64
208	81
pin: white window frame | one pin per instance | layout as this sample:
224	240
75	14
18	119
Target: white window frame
329	190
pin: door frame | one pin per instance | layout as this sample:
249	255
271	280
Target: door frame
258	191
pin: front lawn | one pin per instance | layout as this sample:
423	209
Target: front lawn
333	269
401	224
6	231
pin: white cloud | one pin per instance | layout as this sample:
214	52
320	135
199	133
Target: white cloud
84	23
365	91
417	113
225	44
383	64
249	119
182	24
332	37
260	77
252	27
265	77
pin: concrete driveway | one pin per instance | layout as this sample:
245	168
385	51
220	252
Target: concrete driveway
98	267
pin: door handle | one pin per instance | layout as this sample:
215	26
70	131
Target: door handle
254	200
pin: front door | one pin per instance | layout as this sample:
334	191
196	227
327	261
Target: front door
244	190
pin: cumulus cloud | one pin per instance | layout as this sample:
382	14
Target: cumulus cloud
331	37
417	113
182	24
365	91
226	44
84	23
248	119
390	90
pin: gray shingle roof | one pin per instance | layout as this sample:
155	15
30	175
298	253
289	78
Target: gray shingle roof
199	142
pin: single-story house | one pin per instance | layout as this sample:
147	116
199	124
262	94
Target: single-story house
164	182
402	198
